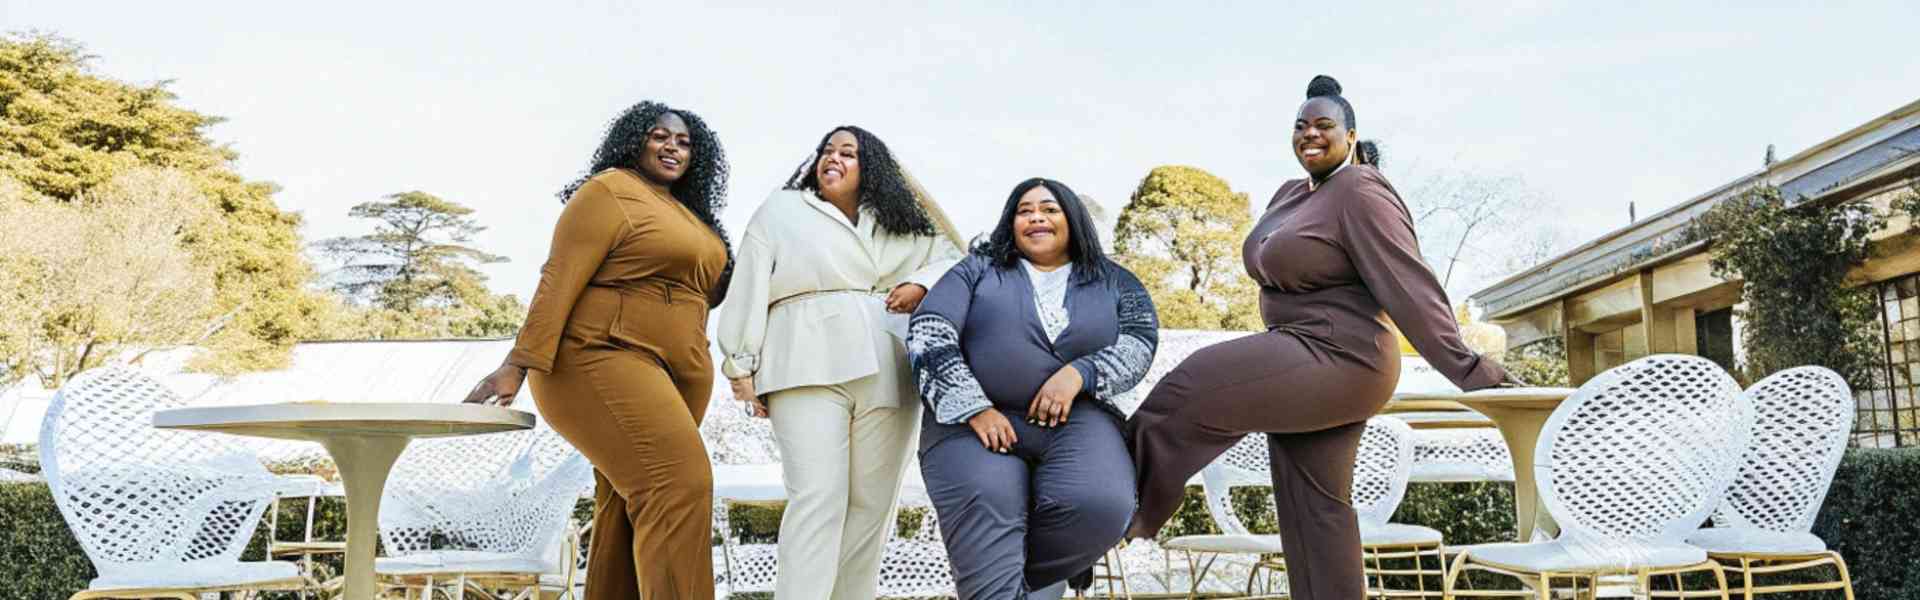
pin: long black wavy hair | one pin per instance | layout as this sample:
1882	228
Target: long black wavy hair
1083	237
703	188
882	186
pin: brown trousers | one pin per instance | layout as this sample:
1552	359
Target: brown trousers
1311	404
633	407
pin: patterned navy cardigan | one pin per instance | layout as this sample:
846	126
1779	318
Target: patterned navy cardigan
981	319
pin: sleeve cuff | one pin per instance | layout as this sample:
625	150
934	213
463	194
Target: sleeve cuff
527	360
1486	373
1088	375
960	416
738	366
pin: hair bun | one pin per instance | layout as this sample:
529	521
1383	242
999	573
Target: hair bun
1323	85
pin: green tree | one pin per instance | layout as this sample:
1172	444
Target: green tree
99	277
1181	233
65	130
416	275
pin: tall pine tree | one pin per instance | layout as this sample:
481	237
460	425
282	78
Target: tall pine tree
416	272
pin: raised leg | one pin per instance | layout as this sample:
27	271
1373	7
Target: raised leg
364	463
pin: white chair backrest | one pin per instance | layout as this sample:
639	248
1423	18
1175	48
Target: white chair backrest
1461	454
1802	417
145	500
1245	463
504	494
1381	469
917	566
1643	451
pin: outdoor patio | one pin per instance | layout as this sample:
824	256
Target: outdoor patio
1629	467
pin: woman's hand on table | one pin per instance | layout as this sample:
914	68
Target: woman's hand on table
498	388
994	430
1055	400
906	298
743	391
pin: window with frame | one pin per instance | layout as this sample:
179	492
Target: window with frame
1889	415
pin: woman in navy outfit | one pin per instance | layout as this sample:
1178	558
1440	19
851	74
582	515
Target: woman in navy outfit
1020	352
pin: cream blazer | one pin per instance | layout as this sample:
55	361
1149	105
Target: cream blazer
807	305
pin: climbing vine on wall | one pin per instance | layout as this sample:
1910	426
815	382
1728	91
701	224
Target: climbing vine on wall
1794	260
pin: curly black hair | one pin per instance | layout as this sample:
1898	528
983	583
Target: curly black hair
1367	152
1083	237
703	188
882	186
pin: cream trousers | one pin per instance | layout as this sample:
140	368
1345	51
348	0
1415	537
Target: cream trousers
842	457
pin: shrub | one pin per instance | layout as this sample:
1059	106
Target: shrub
39	559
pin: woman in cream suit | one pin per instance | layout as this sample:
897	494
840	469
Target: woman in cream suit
828	267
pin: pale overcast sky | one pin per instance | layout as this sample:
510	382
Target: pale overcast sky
496	106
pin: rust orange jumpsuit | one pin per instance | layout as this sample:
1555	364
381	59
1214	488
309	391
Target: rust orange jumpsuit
616	346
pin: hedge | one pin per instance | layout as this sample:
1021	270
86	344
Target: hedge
1872	517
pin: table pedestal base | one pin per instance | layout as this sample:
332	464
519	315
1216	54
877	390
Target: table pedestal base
1520	427
364	463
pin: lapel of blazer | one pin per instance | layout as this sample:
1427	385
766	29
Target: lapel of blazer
863	234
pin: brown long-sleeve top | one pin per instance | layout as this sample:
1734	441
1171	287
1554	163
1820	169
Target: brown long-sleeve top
622	232
1334	260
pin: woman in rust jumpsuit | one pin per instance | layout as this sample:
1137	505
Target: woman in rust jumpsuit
1335	256
616	341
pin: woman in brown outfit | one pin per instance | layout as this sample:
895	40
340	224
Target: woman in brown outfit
616	339
1335	256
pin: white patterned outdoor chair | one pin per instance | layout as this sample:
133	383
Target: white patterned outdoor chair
1451	443
1381	470
486	513
571	583
1460	454
1243	464
744	567
309	489
1631	463
916	566
1802	419
160	513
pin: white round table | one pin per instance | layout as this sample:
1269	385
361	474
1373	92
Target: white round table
1520	413
364	440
